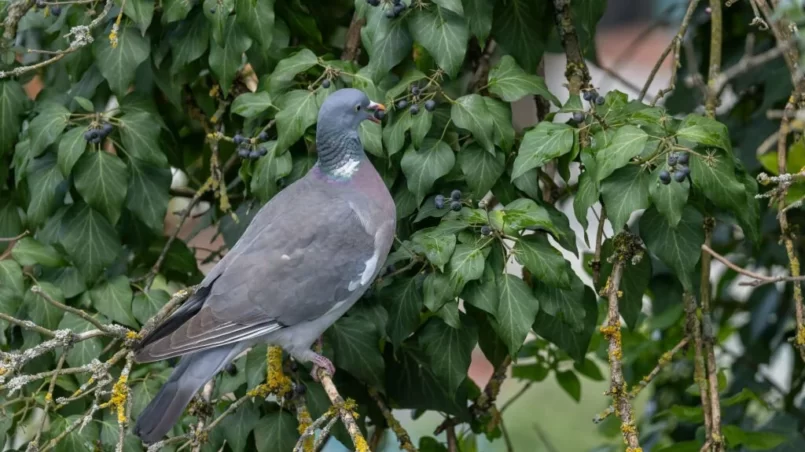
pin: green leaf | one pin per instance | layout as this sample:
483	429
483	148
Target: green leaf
251	104
46	128
68	279
752	440
41	311
119	65
570	383
257	16
452	5
589	369
11	282
714	175
113	299
669	199
481	169
403	301
511	83
90	240
679	247
437	246
148	193
82	352
298	111
542	144
423	167
238	426
627	143
140	11
28	251
85	104
146	304
563	329
139	132
437	291
448	350
371	136
586	197
356	347
469	112
394	134
479	17
192	40
283	75
635	281
278	431
175	10
705	131
101	179
387	41
520	27
483	294
501	115
450	315
71	147
269	170
466	264
75	441
225	59
420	126
217	13
624	192
526	214
516	311
44	179
443	33
12	105
543	260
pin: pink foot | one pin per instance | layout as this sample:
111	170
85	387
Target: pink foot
320	362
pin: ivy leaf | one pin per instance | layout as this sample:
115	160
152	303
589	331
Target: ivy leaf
563	328
714	175
448	350
526	214
469	112
481	169
466	264
217	13
511	83
520	26
543	260
624	192
139	133
74	441
437	290
542	144
371	136
238	426
564	303
46	127
175	10
71	147
420	126
677	247
278	431
251	104
437	247
113	299
443	33
403	301
570	383
479	17
483	294
44	178
501	115
41	311
635	280
89	239
288	68
12	105
146	304
452	5
140	11
669	199
387	41
627	143
298	111
257	16
82	352
101	179
516	311
705	131
11	282
356	347
148	193
119	65
394	135
193	39
225	59
421	168
752	440
270	169
29	251
586	197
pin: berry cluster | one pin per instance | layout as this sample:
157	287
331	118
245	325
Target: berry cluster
678	162
54	9
95	135
397	7
429	104
455	201
246	148
592	96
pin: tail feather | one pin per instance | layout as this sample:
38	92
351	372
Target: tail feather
190	375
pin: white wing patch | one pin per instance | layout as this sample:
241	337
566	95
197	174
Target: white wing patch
347	168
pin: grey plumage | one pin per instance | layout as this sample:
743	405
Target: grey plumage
304	260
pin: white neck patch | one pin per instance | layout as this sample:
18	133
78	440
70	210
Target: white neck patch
347	168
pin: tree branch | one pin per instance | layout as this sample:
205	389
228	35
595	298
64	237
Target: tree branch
402	436
693	329
345	411
576	72
759	278
708	336
352	45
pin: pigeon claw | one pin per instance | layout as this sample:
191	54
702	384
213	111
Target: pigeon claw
320	362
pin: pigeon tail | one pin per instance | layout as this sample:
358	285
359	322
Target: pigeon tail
190	375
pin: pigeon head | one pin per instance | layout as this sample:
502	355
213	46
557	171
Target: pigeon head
346	108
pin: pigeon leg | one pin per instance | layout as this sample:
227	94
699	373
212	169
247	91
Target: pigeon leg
320	361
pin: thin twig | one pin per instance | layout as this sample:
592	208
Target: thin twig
344	410
15	238
576	72
693	329
402	435
352	45
759	278
27	324
112	330
708	337
206	396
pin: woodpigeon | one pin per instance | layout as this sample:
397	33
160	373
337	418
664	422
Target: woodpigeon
306	258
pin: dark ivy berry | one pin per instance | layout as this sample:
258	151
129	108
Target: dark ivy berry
380	114
55	10
402	104
455	206
373	2
398	8
672	159
414	109
232	369
665	177
455	195
589	96
243	153
254	155
325	84
212	10
486	230
681	174
300	389
261	151
390	13
106	129
415	90
263	137
578	116
600	100
430	105
439	201
396	2
93	136
683	158
239	139
40	4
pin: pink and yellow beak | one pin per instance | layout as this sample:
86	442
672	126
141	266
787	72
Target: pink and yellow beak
376	107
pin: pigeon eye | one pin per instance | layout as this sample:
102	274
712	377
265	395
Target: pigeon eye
357	108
